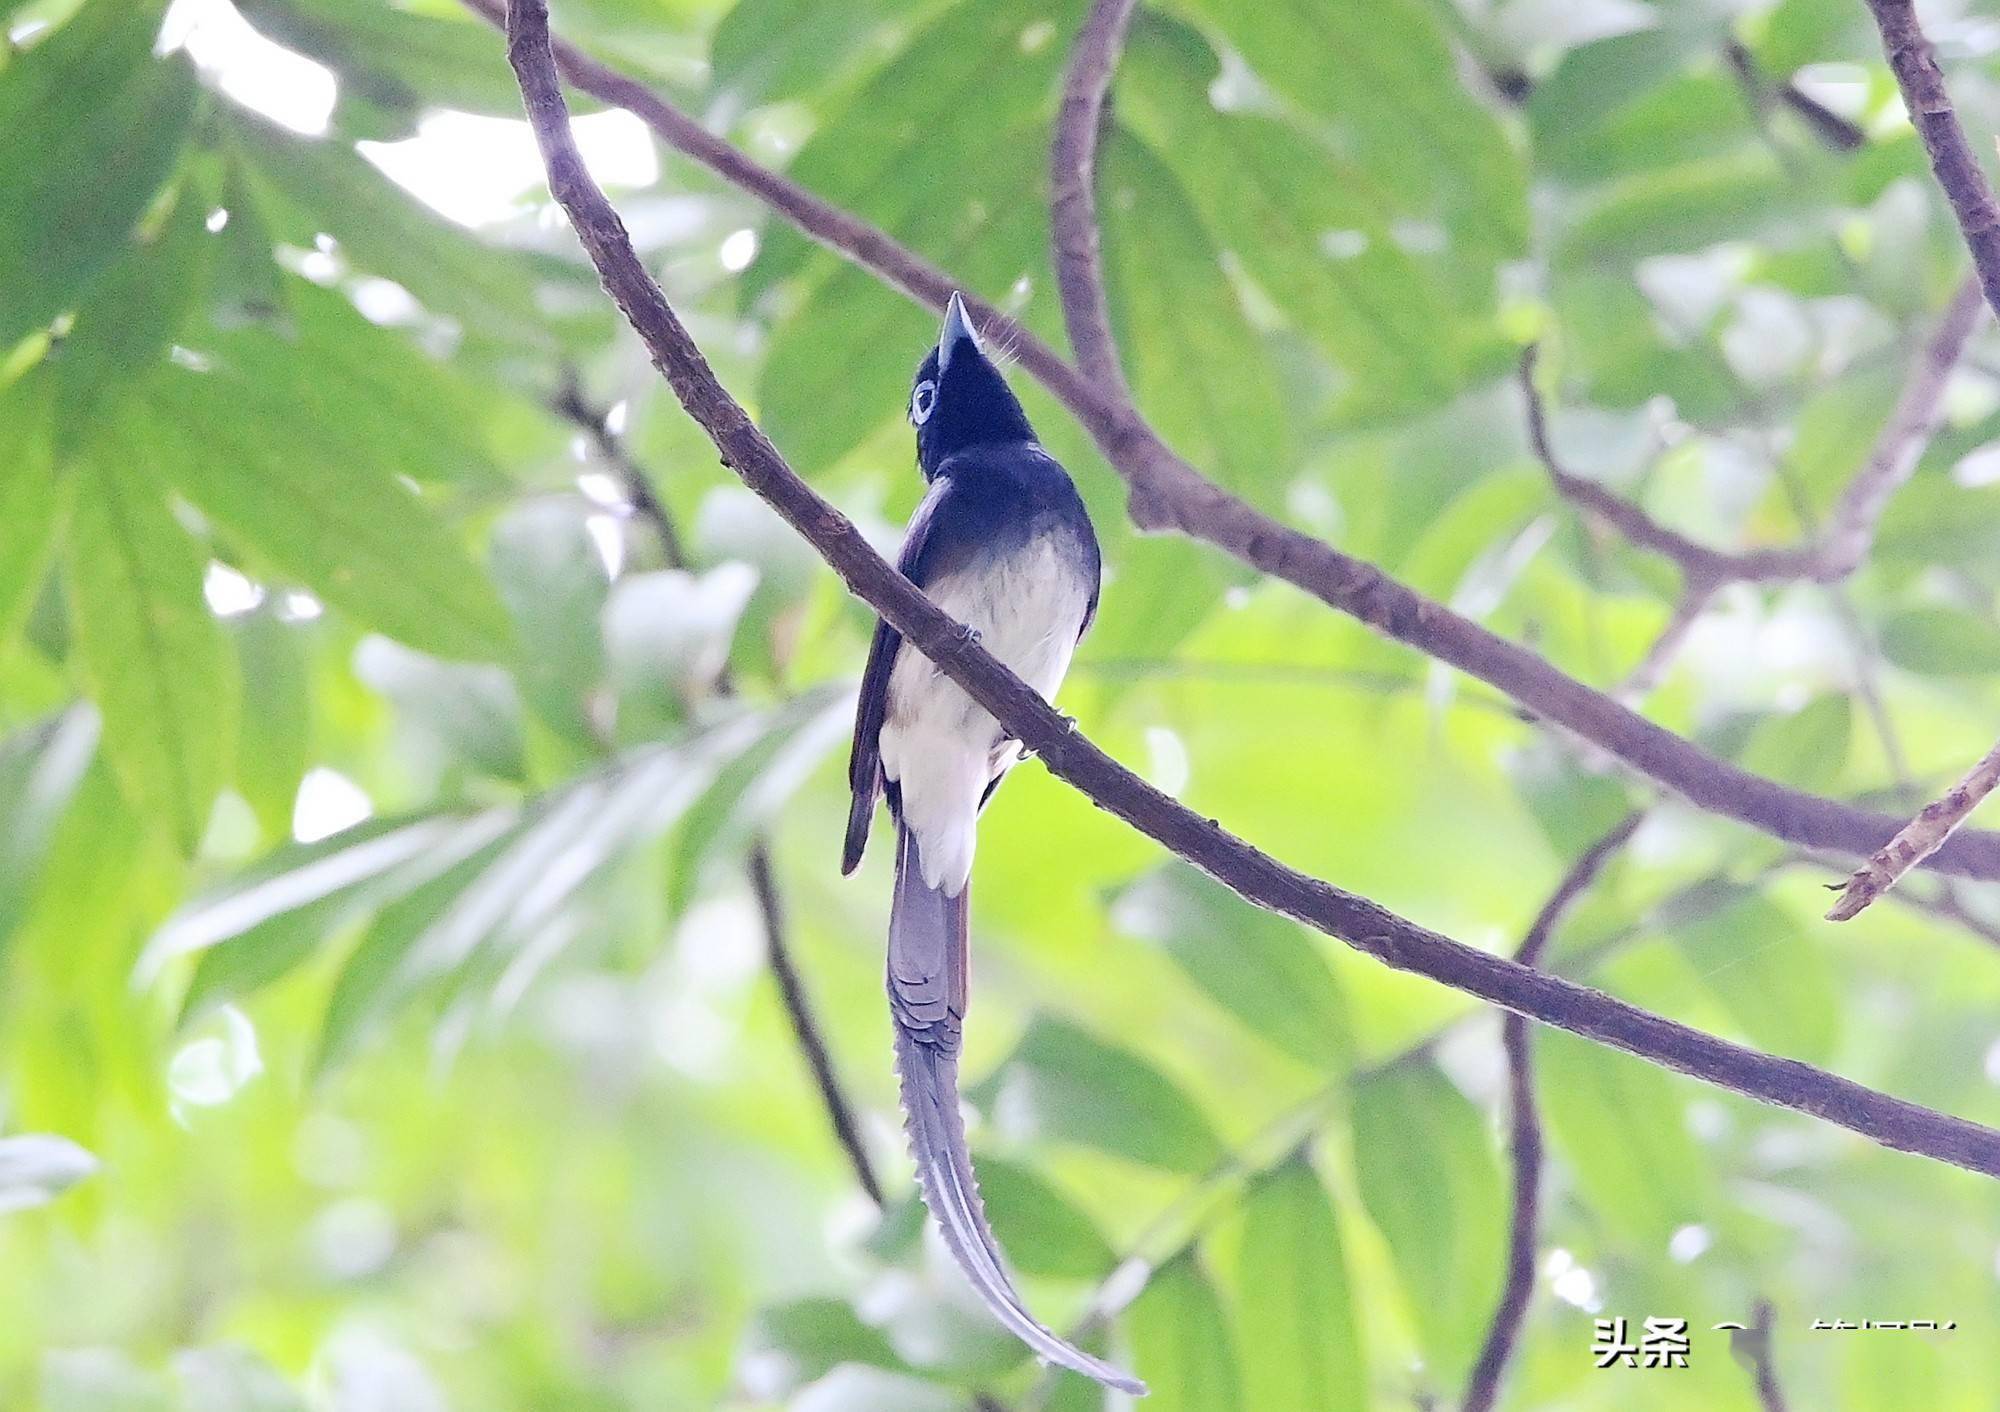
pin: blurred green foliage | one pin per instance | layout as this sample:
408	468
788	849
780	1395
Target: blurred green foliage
385	1022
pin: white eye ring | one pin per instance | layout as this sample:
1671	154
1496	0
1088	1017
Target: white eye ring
923	402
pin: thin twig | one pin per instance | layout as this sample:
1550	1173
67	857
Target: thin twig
811	1043
1645	677
1525	1126
1169	494
1850	529
646	505
1839	133
1070	755
1839	549
569	404
1752	1347
1920	838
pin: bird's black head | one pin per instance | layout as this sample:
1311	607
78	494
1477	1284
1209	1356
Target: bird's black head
959	398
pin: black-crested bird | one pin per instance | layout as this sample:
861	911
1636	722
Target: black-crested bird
1002	543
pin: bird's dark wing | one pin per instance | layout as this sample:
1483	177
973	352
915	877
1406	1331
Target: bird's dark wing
864	763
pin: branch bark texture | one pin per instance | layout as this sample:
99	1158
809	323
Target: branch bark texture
1067	753
1166	493
1919	838
1915	65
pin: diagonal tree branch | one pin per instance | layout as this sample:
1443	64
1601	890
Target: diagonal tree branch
1169	494
1072	757
1525	1128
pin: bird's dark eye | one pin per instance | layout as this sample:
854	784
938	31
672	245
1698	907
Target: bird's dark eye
922	401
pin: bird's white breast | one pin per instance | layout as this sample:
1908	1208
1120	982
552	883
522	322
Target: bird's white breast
940	746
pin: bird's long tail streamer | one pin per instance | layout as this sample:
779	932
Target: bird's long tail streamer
928	958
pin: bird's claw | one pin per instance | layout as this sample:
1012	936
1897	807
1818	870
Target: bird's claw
967	634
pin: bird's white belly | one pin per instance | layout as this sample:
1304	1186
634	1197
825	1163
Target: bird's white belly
941	747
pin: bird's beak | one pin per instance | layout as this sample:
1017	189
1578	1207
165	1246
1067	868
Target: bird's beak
958	333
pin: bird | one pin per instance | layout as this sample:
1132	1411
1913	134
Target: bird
1002	543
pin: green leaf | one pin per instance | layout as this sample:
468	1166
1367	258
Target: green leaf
1064	1084
1688	118
226	1378
30	503
248	285
1181	1342
395	59
667	636
301	188
754	788
1295	1326
129	320
1258	966
40	770
368	983
1684	207
1312	230
1181	325
152	656
1771	977
1396	100
309	474
464	713
808	1338
99	1380
479	915
839	368
1619	1124
1807	749
268	919
276	734
855	1387
1041	1230
1431	1186
1171	585
35	1168
1941	642
767	50
90	98
345	387
902	149
554	583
